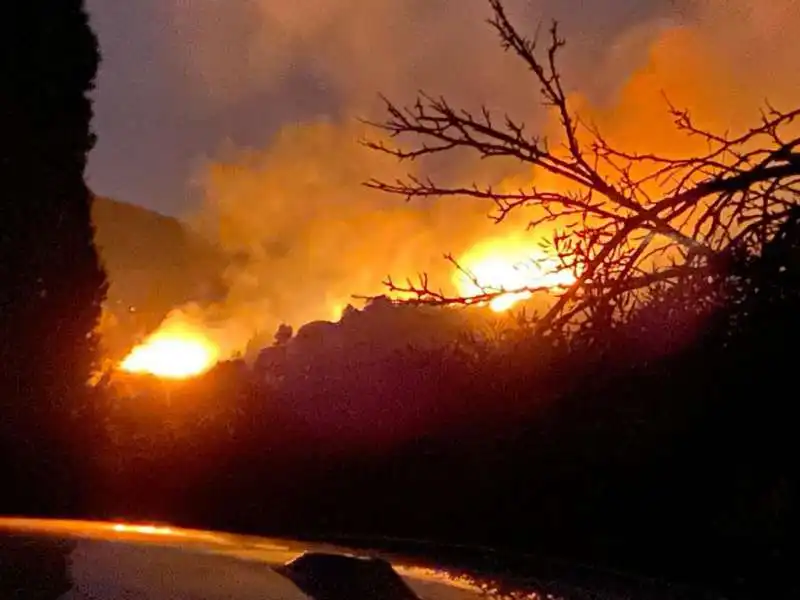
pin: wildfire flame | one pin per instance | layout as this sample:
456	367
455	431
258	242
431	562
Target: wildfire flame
182	349
176	352
510	266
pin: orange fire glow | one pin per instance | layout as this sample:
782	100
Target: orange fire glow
176	352
182	348
511	266
143	529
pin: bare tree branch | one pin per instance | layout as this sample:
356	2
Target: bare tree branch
643	218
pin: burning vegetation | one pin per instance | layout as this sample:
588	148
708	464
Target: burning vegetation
507	271
173	352
613	214
496	274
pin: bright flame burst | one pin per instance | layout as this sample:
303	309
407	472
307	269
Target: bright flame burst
176	352
511	266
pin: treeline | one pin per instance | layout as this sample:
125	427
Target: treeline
663	446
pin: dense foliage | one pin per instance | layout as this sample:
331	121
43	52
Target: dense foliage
666	451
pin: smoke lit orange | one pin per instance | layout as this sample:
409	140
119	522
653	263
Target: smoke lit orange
510	266
177	352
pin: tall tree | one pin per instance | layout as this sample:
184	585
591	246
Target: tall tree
52	284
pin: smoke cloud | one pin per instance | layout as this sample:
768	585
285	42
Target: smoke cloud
723	62
304	235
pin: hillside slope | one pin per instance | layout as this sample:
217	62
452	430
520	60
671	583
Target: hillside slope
154	264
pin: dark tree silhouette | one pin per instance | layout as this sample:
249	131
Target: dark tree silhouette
630	220
52	284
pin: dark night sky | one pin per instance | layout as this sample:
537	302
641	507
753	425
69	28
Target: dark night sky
156	125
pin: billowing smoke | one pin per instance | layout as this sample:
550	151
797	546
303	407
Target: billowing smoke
351	48
723	61
304	235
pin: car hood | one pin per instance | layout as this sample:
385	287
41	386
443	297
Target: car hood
80	560
86	560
